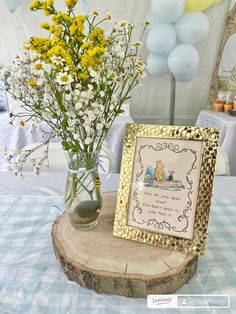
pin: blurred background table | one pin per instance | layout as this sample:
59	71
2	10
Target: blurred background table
227	126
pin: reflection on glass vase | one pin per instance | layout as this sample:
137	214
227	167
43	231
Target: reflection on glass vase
82	193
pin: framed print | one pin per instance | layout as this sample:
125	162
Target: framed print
165	186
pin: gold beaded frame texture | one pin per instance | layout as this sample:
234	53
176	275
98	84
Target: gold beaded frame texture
209	138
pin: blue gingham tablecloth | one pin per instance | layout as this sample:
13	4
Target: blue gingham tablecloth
31	280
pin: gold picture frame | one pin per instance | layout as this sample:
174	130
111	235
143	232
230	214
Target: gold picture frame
167	209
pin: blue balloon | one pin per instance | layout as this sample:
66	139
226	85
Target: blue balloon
192	27
183	60
157	65
11	5
167	11
186	77
161	39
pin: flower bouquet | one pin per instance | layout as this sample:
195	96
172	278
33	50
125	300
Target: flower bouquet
75	81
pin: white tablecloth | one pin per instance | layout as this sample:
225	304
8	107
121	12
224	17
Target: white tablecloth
17	137
227	126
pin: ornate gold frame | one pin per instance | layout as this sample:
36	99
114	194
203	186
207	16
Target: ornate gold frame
209	138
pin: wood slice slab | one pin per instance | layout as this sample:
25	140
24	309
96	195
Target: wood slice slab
97	260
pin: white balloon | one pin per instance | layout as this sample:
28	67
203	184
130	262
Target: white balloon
161	39
167	11
183	60
192	27
157	65
11	5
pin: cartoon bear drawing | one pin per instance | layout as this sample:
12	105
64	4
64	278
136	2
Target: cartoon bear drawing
159	171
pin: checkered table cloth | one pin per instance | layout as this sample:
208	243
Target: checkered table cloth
31	280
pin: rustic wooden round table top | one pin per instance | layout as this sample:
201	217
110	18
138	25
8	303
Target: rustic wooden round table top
97	260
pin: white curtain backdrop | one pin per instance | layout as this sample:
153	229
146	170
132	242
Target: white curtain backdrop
150	102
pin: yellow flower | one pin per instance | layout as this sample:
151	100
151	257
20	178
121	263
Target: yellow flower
96	35
61	17
83	76
40	45
77	27
57	32
48	7
92	57
71	4
32	82
59	51
45	26
22	124
87	46
35	5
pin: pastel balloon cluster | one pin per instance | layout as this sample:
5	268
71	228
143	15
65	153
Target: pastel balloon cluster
176	25
11	5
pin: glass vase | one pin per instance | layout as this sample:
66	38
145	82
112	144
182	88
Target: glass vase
82	193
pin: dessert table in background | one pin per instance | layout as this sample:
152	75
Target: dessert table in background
18	137
31	280
227	126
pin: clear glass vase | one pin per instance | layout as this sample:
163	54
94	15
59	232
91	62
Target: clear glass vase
82	193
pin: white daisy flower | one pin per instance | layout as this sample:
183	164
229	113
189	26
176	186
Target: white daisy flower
95	13
64	78
57	60
47	68
37	67
123	24
109	16
137	44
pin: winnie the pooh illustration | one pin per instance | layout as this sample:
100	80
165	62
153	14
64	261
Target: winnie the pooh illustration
159	173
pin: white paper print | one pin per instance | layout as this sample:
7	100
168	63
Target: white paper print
165	186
